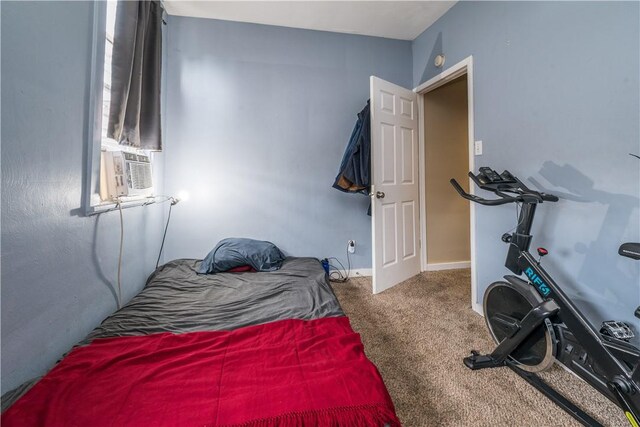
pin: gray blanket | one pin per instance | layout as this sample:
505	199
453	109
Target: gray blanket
177	299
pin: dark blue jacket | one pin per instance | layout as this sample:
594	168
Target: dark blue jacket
354	175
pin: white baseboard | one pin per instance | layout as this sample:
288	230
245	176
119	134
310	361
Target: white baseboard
360	272
448	266
477	308
367	272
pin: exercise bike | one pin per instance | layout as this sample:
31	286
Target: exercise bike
534	323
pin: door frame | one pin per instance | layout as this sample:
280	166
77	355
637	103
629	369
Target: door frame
463	67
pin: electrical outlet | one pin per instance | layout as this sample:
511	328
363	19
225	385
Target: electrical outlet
351	245
478	148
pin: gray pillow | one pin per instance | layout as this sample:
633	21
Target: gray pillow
235	252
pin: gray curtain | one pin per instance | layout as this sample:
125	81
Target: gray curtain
134	115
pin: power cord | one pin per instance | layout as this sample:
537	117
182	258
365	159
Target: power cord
173	201
152	200
119	205
337	275
518	222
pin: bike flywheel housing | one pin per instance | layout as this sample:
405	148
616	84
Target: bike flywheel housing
506	303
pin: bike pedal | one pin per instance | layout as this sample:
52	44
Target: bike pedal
618	330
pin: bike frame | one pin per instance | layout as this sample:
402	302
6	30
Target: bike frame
615	373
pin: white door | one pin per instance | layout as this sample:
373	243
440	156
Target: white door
394	199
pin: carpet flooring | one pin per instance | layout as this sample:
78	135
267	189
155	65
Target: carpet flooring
417	334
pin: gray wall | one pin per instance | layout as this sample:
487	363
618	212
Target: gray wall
58	268
556	102
257	120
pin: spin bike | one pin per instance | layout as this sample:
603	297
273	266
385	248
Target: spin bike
534	323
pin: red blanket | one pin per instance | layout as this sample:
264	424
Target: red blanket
285	373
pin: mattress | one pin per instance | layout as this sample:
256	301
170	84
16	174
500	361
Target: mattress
176	299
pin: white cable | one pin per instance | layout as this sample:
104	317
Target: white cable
119	205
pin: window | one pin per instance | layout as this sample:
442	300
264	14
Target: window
112	6
114	171
125	172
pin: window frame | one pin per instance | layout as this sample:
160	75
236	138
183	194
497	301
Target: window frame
91	201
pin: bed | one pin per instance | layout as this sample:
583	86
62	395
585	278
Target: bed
232	349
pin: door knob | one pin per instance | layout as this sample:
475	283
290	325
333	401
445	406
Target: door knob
380	194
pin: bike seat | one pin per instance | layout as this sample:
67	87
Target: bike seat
630	250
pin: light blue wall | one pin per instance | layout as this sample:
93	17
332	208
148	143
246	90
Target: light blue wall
556	100
58	268
257	120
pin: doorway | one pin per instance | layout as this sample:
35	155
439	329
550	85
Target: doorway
447	151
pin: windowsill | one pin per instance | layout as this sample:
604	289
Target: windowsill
130	202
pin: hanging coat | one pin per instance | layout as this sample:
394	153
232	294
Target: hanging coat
355	168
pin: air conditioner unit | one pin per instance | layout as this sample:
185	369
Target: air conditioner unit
128	175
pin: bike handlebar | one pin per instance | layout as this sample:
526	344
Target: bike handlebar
549	197
480	200
500	185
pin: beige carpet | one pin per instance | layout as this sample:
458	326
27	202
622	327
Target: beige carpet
417	334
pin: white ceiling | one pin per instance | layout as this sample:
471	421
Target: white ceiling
403	20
